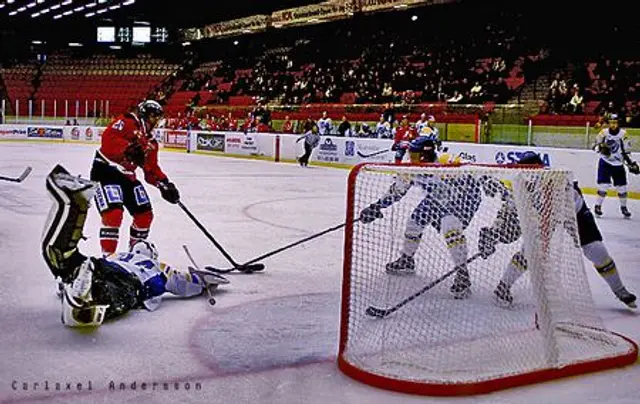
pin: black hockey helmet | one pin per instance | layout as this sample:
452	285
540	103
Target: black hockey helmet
150	109
531	158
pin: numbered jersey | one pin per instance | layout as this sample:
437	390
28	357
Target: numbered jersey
148	272
618	143
118	136
324	126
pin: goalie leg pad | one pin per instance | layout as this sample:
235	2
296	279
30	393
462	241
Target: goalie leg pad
63	229
456	241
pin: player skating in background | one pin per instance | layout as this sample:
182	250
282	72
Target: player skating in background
614	148
128	143
427	140
311	140
98	289
404	134
449	204
506	229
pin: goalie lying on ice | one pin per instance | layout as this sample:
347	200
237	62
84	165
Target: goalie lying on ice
98	289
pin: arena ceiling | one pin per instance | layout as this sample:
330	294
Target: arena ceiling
171	13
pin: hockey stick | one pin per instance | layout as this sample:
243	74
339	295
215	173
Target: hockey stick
21	178
382	313
242	268
279	250
364	156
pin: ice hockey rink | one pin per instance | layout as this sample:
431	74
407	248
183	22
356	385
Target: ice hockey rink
272	337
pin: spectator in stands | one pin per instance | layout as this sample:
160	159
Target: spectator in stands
577	105
287	127
344	129
259	126
455	98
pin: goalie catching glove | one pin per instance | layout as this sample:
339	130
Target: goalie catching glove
169	191
371	213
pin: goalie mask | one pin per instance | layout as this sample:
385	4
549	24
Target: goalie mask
145	248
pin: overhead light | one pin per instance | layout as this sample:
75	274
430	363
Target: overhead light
34	15
79	8
141	23
90	5
45	11
128	2
36	42
21	9
31	5
115	7
90	14
75	44
102	1
57	6
11	1
41	1
66	2
414	18
400	6
57	16
235	42
104	10
2	5
13	13
68	12
186	43
115	47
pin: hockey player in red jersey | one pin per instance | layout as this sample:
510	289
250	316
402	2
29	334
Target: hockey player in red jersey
401	139
128	143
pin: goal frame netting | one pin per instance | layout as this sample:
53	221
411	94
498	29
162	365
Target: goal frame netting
352	369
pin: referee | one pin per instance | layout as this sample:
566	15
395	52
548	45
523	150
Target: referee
311	140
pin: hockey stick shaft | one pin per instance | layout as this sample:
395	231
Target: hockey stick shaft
288	246
21	178
206	233
385	312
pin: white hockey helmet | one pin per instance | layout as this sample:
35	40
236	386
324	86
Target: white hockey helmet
146	248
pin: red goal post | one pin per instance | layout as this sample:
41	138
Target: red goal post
419	349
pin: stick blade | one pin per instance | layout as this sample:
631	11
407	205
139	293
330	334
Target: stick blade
24	175
376	312
251	268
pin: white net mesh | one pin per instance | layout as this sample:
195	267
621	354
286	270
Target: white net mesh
526	307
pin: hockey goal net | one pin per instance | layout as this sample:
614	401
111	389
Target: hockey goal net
407	328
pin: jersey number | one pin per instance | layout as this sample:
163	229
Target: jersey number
119	125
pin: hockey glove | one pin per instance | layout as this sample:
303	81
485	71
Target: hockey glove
486	242
634	168
604	149
371	213
169	191
135	153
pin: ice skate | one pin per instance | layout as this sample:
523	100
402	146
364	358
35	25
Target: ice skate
461	288
405	265
627	298
597	209
625	212
503	295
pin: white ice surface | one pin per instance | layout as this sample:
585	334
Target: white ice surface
271	338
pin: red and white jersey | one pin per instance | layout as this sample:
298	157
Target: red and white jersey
123	131
404	134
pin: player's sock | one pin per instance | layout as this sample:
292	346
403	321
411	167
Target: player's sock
609	273
457	245
140	226
109	233
602	193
